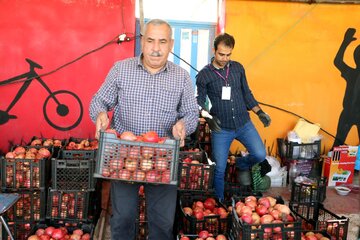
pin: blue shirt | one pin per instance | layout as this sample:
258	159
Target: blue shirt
232	113
143	102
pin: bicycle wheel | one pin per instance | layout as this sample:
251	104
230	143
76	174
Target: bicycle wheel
63	110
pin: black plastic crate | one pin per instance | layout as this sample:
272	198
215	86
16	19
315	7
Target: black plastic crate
87	228
293	150
316	217
234	189
133	161
31	206
215	223
73	174
79	148
312	190
19	230
290	230
196	176
193	155
24	174
68	205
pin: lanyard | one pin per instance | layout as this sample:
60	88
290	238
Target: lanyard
226	77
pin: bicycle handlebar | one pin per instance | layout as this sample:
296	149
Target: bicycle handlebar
33	64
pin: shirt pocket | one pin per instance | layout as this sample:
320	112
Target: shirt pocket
169	100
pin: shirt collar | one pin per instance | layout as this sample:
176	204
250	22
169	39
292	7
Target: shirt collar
212	67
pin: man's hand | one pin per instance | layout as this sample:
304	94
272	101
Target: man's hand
179	132
264	118
102	122
214	122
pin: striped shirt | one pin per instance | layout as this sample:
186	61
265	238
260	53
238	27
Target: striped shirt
232	113
143	102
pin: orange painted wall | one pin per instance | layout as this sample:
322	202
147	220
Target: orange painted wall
288	52
53	34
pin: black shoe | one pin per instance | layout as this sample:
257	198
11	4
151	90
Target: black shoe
265	167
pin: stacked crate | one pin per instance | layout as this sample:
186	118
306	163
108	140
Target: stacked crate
306	155
306	202
25	170
204	136
72	184
196	177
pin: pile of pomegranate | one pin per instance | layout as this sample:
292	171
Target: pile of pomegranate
313	236
48	142
262	211
83	144
205	235
208	214
61	233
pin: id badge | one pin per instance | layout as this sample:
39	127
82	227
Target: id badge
226	93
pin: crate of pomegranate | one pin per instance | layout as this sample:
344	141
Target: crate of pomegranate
31	206
80	148
145	159
66	230
200	212
72	174
263	218
308	190
315	217
68	205
25	168
196	172
19	230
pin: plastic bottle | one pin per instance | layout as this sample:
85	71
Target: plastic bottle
293	173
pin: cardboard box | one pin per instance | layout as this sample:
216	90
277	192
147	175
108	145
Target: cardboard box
339	167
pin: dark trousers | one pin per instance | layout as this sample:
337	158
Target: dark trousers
160	206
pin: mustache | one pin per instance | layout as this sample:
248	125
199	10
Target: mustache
156	54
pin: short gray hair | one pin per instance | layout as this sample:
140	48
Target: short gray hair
157	22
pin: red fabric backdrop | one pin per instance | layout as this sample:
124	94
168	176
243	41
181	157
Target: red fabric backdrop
53	33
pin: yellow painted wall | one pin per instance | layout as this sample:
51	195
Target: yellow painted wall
288	50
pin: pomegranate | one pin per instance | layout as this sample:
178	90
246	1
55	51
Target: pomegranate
161	164
40	231
33	237
128	136
210	203
139	175
152	176
57	233
131	164
147	152
49	230
146	164
151	136
165	176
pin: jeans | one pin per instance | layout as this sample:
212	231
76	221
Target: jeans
220	143
160	210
